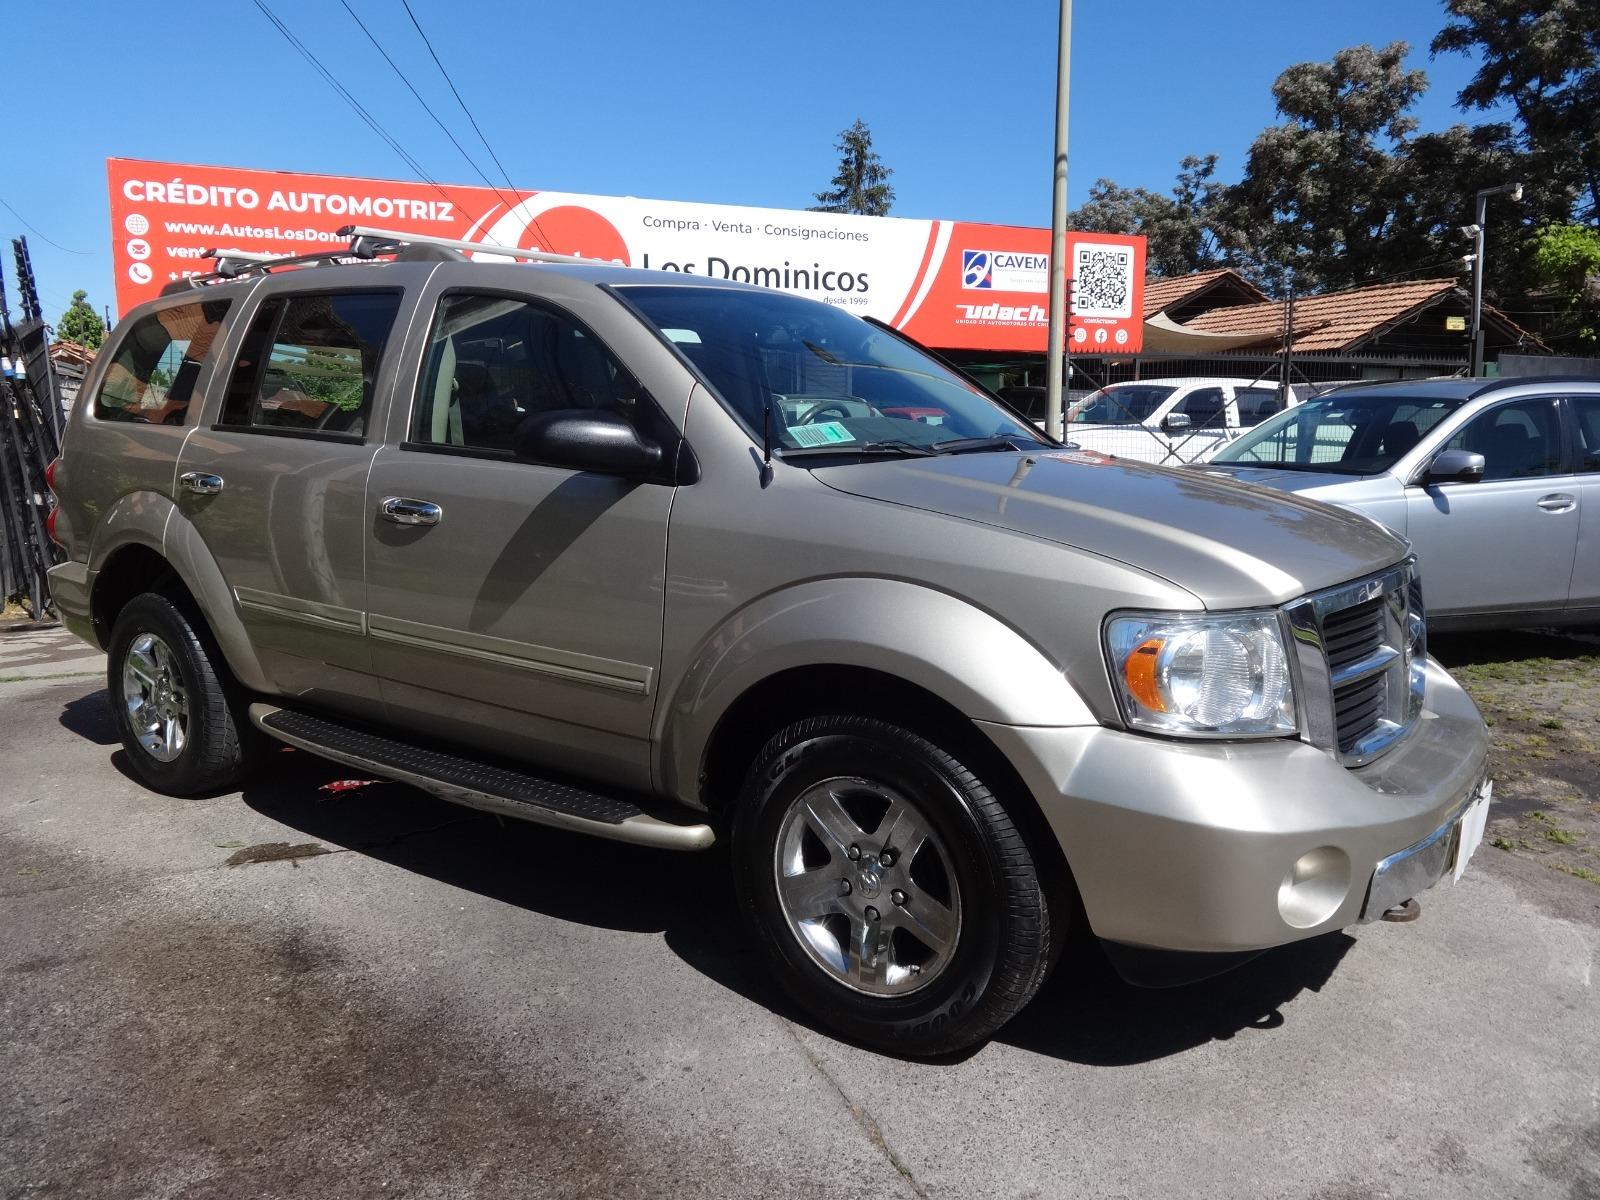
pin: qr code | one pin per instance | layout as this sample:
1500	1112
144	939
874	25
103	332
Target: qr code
1102	281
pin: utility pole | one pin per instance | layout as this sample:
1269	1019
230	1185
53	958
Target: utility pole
1057	338
1480	216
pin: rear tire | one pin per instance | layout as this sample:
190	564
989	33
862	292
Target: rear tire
890	890
178	710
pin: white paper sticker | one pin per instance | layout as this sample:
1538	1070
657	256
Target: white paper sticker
821	433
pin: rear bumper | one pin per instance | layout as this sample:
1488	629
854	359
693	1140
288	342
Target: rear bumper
1222	848
70	587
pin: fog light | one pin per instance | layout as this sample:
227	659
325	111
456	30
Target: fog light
1314	887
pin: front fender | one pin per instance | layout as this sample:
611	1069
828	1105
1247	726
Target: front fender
152	520
965	655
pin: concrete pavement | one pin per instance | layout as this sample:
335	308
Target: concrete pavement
443	1006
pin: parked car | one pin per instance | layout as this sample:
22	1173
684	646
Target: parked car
1170	421
1496	483
649	557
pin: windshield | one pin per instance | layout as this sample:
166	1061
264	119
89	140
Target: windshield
1342	434
834	382
1126	404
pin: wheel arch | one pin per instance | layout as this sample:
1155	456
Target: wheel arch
147	544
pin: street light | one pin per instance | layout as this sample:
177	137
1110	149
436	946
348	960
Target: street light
1475	231
1056	337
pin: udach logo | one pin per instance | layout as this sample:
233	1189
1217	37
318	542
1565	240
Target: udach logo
977	269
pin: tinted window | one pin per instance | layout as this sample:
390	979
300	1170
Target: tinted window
1256	405
1516	440
1342	433
152	377
1128	404
1205	408
494	361
1587	411
309	362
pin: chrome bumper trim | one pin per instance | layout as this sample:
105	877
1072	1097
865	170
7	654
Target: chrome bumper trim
1412	871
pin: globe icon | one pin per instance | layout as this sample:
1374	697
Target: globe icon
136	224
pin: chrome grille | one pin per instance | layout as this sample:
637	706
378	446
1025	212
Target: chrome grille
1360	651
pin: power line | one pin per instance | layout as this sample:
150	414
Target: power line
425	106
417	25
40	236
371	121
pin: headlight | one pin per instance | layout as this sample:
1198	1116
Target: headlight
1202	675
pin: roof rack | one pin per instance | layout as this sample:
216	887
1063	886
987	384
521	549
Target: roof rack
366	243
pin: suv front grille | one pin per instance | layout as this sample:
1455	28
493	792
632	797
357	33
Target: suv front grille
1360	650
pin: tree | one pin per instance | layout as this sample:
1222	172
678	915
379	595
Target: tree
1542	58
1320	191
861	185
1181	230
80	323
1566	259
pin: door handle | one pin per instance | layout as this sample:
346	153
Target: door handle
201	483
1557	502
403	511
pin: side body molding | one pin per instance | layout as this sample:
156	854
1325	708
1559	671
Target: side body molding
961	653
152	520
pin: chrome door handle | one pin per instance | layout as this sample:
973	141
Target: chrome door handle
403	511
1557	502
201	483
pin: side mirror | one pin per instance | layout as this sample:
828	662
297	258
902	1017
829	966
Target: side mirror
587	440
1454	466
1175	421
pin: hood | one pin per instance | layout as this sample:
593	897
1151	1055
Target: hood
1230	544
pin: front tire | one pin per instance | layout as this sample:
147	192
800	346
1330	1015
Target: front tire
174	702
888	886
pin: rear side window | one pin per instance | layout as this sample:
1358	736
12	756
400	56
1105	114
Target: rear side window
309	363
151	380
1256	405
1587	411
494	361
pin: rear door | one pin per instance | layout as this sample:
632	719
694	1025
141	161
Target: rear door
276	484
1505	544
1585	593
523	612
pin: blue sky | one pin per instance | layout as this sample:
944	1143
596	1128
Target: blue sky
713	100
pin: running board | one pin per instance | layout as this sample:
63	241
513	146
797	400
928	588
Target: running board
463	780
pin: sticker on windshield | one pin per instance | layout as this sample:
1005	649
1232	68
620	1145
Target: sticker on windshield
821	433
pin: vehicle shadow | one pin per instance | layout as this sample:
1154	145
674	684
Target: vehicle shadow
90	718
1086	1014
1513	645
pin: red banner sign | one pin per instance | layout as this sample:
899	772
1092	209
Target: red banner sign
950	284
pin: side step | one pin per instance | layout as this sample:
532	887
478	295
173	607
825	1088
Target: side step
466	781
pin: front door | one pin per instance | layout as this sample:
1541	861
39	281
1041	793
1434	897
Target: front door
1585	592
513	605
276	487
1507	542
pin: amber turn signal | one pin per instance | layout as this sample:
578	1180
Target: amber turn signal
1139	672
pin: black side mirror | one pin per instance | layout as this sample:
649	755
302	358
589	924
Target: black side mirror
587	440
1176	421
1455	466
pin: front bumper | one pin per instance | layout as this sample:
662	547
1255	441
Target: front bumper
1228	847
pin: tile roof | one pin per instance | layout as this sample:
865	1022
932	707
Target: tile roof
1164	292
1337	320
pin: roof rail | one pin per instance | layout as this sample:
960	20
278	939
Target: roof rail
1511	381
366	243
385	241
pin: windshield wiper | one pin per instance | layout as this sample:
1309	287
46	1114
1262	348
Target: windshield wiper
895	449
1000	441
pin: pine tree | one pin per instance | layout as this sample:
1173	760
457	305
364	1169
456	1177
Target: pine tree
861	185
80	323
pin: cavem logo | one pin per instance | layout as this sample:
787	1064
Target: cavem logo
1004	271
977	269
